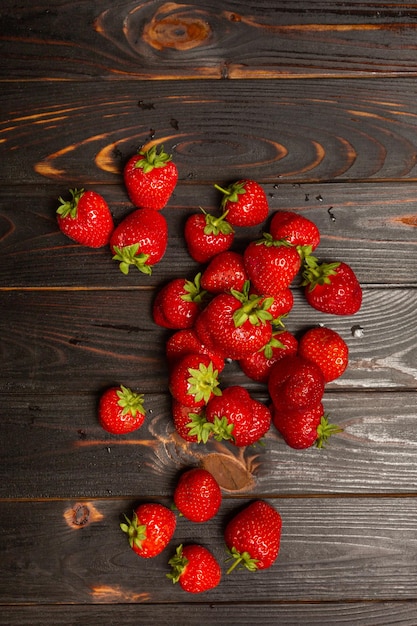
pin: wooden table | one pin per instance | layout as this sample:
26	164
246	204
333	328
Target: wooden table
317	102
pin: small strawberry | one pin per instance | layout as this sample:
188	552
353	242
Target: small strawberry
327	349
178	303
271	264
150	178
150	529
85	218
191	423
197	495
253	536
296	229
245	202
193	380
331	287
283	302
120	410
258	364
295	383
186	341
207	235
195	568
224	272
140	240
303	429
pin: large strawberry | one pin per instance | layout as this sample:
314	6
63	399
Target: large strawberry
150	529
327	349
253	536
303	429
197	495
295	383
258	364
245	202
331	287
178	303
150	178
271	264
85	218
121	410
193	380
186	341
207	235
224	272
140	240
195	568
296	229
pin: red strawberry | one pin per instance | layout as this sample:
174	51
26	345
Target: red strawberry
178	303
280	305
197	495
207	235
194	568
295	383
331	287
140	240
303	429
186	341
271	265
150	529
295	228
86	218
193	380
245	202
327	349
120	410
150	178
253	536
258	364
224	272
190	423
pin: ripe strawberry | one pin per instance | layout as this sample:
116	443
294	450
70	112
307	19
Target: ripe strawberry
331	287
258	364
120	410
150	178
207	235
271	265
295	383
303	429
86	218
193	380
327	349
197	495
281	305
194	568
140	240
224	272
150	530
245	202
178	303
253	536
186	341
190	423
296	229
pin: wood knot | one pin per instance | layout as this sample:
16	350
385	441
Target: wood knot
175	26
81	514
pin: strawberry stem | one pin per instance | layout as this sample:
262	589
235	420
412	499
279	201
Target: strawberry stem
231	193
130	401
135	531
326	430
242	558
152	159
69	208
128	255
316	273
203	382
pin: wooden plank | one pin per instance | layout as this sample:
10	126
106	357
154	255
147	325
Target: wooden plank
281	131
336	549
53	447
117	40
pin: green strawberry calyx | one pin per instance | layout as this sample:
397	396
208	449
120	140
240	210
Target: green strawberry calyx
128	255
216	225
178	563
136	532
326	430
231	193
203	382
242	559
69	208
129	401
316	273
254	308
268	241
222	429
193	291
200	427
152	159
274	342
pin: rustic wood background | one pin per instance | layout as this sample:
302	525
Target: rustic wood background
317	102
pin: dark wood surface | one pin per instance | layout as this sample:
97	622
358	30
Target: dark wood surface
317	102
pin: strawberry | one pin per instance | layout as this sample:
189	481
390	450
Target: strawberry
303	429
150	529
245	202
271	264
85	218
207	235
253	536
225	271
140	240
186	341
327	349
331	287
190	423
120	410
150	178
295	383
194	568
178	303
281	305
296	229
193	380
258	364
197	495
